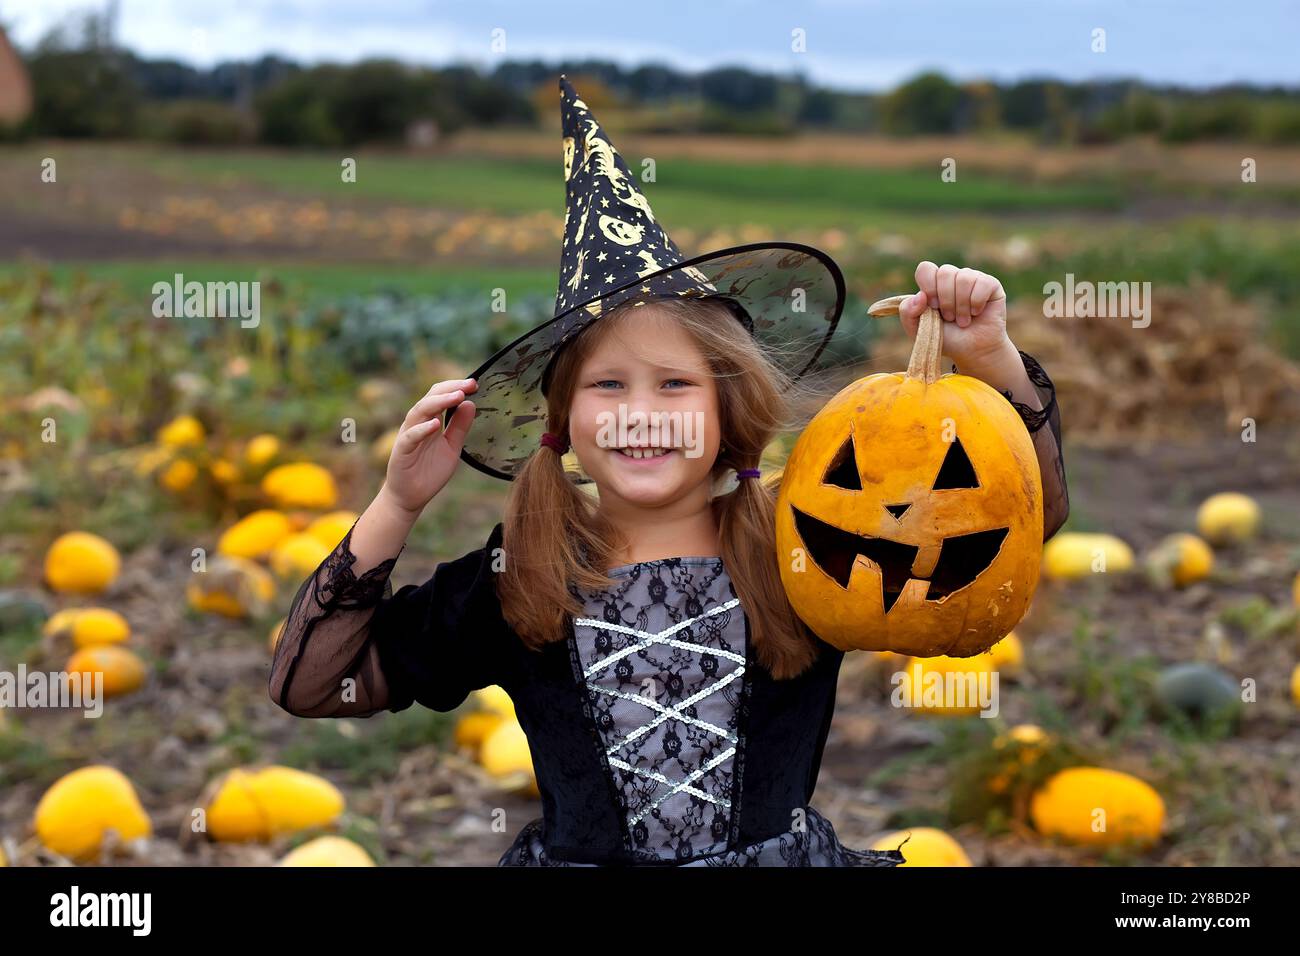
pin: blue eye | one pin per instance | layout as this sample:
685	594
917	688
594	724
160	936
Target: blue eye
603	381
682	381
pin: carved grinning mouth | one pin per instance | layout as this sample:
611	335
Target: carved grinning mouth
961	560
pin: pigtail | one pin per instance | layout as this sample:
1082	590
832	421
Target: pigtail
746	520
551	535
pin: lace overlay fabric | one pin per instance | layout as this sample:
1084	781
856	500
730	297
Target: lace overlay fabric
663	663
331	614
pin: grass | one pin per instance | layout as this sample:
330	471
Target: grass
693	193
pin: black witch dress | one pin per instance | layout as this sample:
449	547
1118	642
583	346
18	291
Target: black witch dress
657	736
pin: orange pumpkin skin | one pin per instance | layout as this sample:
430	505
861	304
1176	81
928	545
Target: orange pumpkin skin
899	426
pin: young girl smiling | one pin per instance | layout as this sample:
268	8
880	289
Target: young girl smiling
675	706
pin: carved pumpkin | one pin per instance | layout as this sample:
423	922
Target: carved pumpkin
910	514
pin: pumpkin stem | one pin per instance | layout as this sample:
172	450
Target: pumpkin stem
927	351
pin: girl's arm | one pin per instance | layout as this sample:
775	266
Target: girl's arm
331	613
974	309
1027	386
328	661
352	646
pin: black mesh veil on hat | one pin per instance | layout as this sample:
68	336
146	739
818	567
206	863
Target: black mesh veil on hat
788	295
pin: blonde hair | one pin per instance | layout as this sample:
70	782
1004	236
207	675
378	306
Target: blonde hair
555	536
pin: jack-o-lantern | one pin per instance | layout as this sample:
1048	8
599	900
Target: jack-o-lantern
910	515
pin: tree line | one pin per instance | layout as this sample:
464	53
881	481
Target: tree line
86	86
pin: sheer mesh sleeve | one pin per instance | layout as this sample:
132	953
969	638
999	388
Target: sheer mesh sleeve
326	664
1044	426
351	647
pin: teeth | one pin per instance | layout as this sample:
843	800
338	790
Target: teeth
644	452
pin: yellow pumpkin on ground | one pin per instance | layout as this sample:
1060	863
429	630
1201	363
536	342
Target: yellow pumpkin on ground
261	449
330	529
506	756
300	485
76	813
1097	807
298	555
89	626
232	587
185	431
1008	655
1180	560
950	686
255	535
495	698
225	472
910	513
62	621
928	846
473	728
179	475
1295	685
99	625
81	563
1227	518
122	671
1077	554
327	851
262	804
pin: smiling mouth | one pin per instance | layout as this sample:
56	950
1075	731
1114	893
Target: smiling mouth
962	558
641	453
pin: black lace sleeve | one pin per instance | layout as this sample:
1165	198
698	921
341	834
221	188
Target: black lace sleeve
351	647
1043	419
325	664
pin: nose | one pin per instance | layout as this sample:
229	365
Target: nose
898	510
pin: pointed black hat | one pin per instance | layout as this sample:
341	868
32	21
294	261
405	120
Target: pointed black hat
789	296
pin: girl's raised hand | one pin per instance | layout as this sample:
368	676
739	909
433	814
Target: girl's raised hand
973	306
424	456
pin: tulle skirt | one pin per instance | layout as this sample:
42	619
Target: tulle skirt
815	845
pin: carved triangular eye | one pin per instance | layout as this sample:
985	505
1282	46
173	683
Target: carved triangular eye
957	471
843	470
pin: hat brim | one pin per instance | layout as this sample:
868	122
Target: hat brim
510	409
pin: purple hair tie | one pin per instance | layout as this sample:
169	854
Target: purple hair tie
555	441
747	473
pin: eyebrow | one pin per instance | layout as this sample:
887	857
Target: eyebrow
618	370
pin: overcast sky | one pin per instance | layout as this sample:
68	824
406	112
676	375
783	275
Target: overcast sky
851	44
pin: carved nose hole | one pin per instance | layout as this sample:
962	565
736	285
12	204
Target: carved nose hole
897	510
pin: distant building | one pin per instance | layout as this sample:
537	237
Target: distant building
15	87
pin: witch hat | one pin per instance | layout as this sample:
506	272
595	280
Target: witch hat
789	296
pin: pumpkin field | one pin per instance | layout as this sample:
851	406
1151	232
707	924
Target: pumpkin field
167	483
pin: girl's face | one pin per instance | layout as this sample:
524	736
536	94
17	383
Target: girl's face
646	390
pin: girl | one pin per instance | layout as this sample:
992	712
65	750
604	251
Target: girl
675	706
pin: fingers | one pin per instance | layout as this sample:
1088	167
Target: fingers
959	294
987	289
909	312
439	398
459	425
410	438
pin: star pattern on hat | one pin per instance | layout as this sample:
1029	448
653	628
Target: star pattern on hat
611	236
